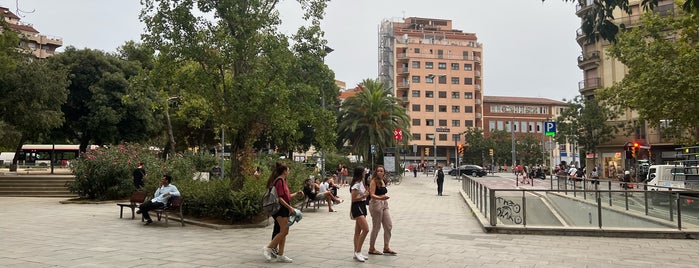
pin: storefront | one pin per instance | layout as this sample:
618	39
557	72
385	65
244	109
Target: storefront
613	165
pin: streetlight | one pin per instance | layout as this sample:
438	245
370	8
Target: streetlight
434	109
327	50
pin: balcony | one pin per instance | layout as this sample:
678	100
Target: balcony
478	101
479	115
477	59
477	74
580	36
403	85
590	84
628	21
402	56
582	8
405	99
477	87
588	59
403	71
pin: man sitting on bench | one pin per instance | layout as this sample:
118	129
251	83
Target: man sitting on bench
160	198
320	192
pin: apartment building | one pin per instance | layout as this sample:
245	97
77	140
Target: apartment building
41	46
600	71
436	71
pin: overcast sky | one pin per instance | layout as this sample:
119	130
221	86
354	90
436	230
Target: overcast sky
529	47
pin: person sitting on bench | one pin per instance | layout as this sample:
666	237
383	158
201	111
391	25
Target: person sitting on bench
160	198
319	192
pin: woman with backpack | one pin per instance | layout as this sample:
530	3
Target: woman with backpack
281	218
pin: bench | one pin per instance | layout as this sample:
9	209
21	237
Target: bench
308	202
174	205
137	198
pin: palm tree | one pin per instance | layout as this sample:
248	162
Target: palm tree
370	117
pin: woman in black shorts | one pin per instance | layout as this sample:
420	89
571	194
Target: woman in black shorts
358	212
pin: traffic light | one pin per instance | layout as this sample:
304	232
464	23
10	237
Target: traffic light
427	150
490	152
461	149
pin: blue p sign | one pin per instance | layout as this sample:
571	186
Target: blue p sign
550	128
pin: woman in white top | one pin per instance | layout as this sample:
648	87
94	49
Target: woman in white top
358	212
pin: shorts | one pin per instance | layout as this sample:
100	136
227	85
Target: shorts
358	209
283	212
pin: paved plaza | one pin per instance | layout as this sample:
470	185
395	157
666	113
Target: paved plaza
429	231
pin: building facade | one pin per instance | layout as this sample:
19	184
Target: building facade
526	116
436	71
600	71
41	46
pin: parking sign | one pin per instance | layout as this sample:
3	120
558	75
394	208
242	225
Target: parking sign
550	128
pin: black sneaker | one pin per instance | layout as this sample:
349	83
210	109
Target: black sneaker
148	222
275	253
138	211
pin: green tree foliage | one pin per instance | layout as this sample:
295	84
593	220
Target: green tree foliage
370	117
244	69
663	78
598	21
586	123
476	147
529	150
502	147
95	112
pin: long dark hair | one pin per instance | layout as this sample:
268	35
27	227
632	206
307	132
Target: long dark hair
357	175
279	168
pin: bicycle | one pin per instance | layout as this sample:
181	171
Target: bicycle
392	177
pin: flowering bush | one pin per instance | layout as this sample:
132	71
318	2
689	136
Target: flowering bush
106	173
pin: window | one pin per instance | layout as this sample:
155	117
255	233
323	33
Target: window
416	65
456	137
443	123
468	81
468	67
429	108
491	125
416	93
429	79
417	51
465	53
455	95
442	65
429	122
514	126
455	108
468	109
524	127
455	66
442	94
440	53
443	109
416	79
429	94
429	65
416	122
442	137
417	136
416	108
443	79
467	95
469	123
455	80
455	123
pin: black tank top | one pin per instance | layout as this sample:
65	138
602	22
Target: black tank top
381	190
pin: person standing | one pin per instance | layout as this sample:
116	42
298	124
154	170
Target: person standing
281	218
138	174
378	207
358	212
439	179
161	196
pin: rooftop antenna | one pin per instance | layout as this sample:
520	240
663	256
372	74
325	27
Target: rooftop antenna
19	11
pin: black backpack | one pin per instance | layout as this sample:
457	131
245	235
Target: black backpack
440	174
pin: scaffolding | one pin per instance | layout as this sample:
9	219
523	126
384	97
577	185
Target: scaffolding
387	55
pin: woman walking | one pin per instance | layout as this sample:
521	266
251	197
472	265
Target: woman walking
378	207
281	218
358	212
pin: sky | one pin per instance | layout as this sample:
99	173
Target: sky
529	47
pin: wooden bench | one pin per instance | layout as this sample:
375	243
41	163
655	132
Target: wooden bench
312	203
137	198
174	205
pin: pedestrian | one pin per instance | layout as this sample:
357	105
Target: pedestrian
281	218
415	168
439	179
358	212
138	174
160	198
378	208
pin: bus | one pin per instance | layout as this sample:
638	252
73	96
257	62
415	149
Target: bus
40	154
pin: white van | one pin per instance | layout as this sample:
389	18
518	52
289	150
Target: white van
666	176
6	158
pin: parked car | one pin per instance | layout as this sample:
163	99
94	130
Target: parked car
472	170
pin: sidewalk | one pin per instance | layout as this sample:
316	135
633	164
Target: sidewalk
428	231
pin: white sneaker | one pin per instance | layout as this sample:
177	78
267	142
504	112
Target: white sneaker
284	258
362	255
267	252
358	256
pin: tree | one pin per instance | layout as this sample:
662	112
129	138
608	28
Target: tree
663	78
370	117
586	123
95	112
598	21
502	147
476	147
244	68
529	150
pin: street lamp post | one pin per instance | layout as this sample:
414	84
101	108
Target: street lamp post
322	98
434	109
